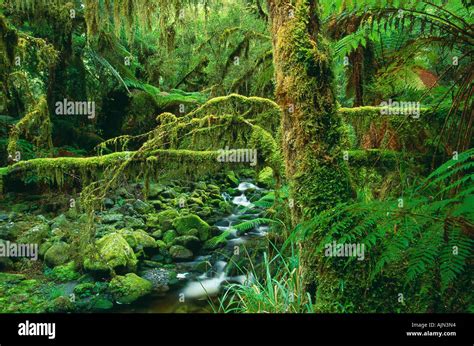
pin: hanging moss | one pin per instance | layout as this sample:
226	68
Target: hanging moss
259	111
3	173
36	126
201	130
8	43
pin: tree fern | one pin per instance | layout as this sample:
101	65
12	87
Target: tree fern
425	243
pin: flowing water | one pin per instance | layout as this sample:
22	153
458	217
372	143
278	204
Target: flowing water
197	290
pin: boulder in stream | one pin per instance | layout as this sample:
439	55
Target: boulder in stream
127	289
113	252
179	252
186	223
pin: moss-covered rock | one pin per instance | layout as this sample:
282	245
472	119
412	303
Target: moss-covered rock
161	245
169	236
88	289
59	253
196	200
134	222
180	252
186	223
35	235
157	234
20	295
191	242
154	190
62	273
225	207
111	218
85	289
113	252
142	207
165	219
60	222
138	239
127	289
43	248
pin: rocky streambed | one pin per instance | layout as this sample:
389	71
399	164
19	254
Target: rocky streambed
171	252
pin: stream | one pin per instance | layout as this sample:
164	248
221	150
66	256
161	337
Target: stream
195	290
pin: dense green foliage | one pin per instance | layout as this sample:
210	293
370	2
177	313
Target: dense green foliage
121	128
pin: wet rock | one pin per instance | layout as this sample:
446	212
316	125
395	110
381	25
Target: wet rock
111	218
127	289
35	235
155	190
161	244
134	222
180	252
191	242
57	254
138	239
164	219
142	207
157	234
159	278
113	251
185	223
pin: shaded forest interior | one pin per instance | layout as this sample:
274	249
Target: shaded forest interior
236	156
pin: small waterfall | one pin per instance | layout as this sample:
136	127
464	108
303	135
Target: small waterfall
206	287
246	185
242	200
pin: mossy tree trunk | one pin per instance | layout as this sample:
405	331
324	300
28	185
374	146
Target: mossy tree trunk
310	125
311	132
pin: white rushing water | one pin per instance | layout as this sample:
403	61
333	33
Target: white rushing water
246	185
242	200
206	287
209	284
